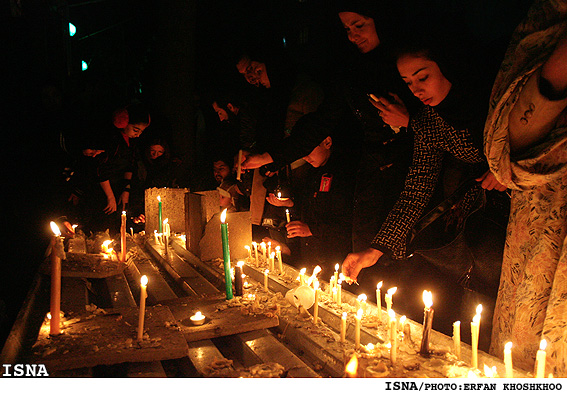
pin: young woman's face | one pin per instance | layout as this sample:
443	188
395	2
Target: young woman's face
424	78
254	72
360	31
156	151
221	112
134	130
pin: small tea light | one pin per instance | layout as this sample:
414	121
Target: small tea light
197	319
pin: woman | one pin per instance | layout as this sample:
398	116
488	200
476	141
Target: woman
526	147
450	123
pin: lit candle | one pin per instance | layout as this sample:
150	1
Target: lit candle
198	318
159	214
508	360
263	246
540	359
132	231
266	272
287	216
358	318
343	326
238	285
379	300
143	295
247	247
457	338
280	261
226	255
156	237
388	299
475	324
123	237
401	324
302	276
273	261
336	275
239	165
269	250
352	367
56	254
316	304
393	337
334	290
427	322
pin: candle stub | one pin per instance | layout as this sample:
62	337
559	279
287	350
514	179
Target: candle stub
197	319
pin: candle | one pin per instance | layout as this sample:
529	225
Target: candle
339	293
165	237
540	359
238	285
457	338
156	237
272	261
159	214
508	360
287	216
198	318
280	261
362	302
379	300
358	318
132	231
226	255
143	295
316	304
427	322
388	298
474	340
269	250
56	254
239	165
352	367
123	237
336	275
263	246
393	337
266	272
401	324
302	276
343	326
249	252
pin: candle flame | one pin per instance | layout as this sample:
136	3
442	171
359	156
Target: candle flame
267	271
316	285
105	246
379	285
542	344
457	323
362	297
352	366
316	270
508	346
488	372
165	221
427	299
392	314
246	247
479	309
359	314
123	213
403	320
144	280
55	229
240	264
223	216
344	315
337	267
370	346
302	271
476	319
278	248
158	198
254	243
392	291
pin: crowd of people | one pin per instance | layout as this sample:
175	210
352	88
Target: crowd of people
345	171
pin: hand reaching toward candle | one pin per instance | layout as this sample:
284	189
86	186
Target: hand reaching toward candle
393	112
489	182
279	202
297	229
256	161
355	262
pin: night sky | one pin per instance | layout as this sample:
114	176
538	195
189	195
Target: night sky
139	48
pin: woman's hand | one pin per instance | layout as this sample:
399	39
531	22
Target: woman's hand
392	111
279	202
297	229
354	262
124	198
489	182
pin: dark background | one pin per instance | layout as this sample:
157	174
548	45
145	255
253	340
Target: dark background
171	54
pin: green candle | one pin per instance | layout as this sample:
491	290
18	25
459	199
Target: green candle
159	215
226	256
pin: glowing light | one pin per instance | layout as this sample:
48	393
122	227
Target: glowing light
84	65
72	29
542	344
352	366
379	285
144	280
55	229
427	299
223	216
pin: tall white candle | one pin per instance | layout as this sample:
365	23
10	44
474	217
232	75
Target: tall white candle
336	274
165	237
123	237
358	319
474	340
379	300
540	359
247	247
508	360
343	326
266	272
279	257
143	295
339	293
393	337
239	165
255	246
287	216
263	246
316	304
57	253
388	299
457	338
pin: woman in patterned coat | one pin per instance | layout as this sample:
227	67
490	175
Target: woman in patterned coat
526	147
